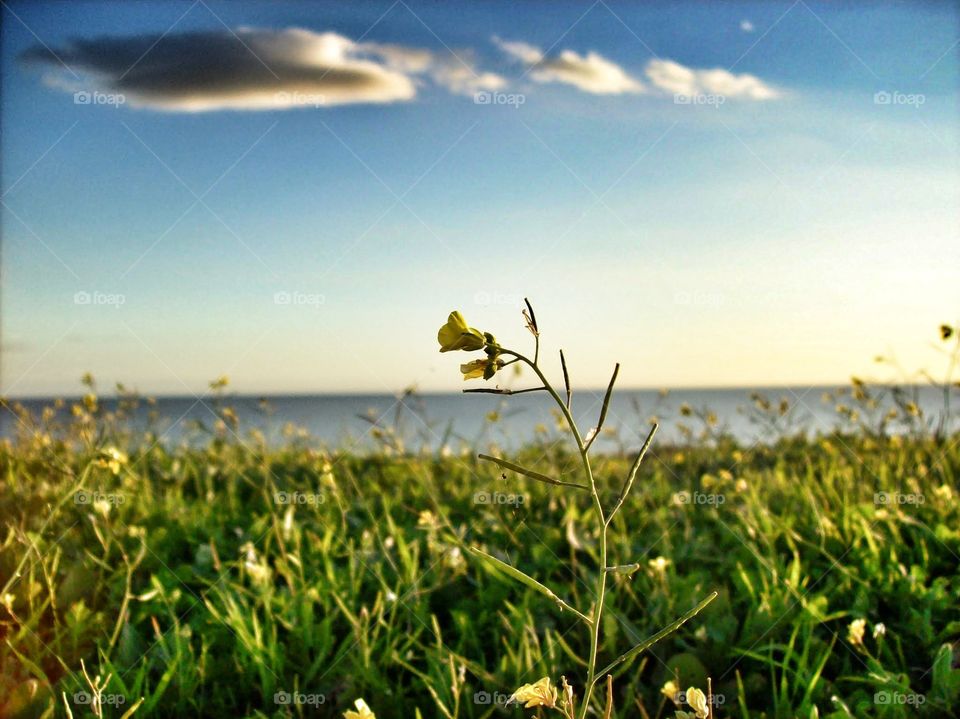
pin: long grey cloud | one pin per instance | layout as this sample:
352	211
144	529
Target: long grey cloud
253	69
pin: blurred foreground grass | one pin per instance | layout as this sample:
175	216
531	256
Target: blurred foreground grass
228	578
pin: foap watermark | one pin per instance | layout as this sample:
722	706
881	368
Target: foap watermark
87	699
898	498
301	99
304	498
114	99
885	97
499	498
699	498
699	98
485	698
100	299
485	299
899	699
485	97
286	699
299	299
698	298
715	700
85	497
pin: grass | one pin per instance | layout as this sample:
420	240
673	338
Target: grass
227	578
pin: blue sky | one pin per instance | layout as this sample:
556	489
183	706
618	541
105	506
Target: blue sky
712	194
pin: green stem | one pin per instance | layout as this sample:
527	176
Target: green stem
601	586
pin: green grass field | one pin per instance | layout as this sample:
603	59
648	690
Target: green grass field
227	579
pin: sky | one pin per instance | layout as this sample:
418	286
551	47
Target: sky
296	194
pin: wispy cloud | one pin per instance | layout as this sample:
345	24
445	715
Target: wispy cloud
595	74
591	73
255	69
673	77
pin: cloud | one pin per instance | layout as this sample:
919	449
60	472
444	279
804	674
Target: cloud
454	71
591	72
253	69
746	25
595	74
673	77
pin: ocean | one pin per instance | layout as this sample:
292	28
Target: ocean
432	420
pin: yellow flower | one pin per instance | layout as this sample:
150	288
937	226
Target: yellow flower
539	694
457	335
659	565
698	702
362	712
485	368
670	690
112	458
855	631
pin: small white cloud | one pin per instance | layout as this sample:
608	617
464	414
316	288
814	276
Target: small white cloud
464	79
746	25
591	73
520	50
678	79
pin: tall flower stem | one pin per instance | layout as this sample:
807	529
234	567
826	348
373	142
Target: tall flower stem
601	584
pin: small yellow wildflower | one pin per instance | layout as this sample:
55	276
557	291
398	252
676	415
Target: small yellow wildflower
855	632
485	368
113	459
670	690
362	712
428	520
457	335
879	630
698	702
659	564
944	491
538	694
